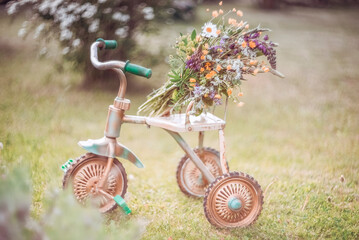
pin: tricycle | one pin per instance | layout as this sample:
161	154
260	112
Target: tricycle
231	199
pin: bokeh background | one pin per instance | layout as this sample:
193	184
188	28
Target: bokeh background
298	136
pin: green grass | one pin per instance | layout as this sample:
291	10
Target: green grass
300	133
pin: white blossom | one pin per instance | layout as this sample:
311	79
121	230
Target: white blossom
90	10
107	11
72	6
43	51
12	8
39	30
122	32
148	13
94	25
65	51
120	17
65	35
76	42
209	30
21	32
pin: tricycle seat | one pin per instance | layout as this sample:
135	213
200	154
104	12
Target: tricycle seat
177	122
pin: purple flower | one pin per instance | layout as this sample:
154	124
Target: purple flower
265	37
217	101
195	61
197	91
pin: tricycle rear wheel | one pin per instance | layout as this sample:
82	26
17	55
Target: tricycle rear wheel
189	177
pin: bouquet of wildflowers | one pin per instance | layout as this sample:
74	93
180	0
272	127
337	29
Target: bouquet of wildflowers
210	66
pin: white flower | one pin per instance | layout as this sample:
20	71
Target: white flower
94	25
90	10
148	13
65	35
107	11
65	51
72	6
209	30
76	42
120	17
43	51
101	1
39	30
122	32
12	8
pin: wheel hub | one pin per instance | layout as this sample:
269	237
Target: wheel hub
234	204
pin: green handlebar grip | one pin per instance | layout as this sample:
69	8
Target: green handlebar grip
109	44
138	70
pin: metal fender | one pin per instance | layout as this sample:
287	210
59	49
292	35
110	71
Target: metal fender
101	147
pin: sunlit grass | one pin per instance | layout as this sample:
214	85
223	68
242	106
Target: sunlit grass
300	133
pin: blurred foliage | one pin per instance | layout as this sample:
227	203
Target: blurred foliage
76	24
270	4
64	216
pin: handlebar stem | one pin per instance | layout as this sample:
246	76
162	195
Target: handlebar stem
113	65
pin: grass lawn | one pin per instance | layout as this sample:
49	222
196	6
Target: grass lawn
300	135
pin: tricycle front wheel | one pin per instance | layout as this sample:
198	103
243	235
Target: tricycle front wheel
84	175
233	200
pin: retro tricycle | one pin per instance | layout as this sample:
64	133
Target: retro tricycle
231	199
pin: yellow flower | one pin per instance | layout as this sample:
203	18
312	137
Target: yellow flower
206	95
229	67
217	96
240	94
229	91
205	52
239	56
219	68
202	57
255	71
202	69
192	80
244	44
218	32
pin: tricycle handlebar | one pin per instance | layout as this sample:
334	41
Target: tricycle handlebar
125	66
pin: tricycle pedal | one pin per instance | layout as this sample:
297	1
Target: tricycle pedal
122	203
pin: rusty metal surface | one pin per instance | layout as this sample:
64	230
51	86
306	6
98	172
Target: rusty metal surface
113	122
189	177
233	185
84	178
222	150
101	147
193	156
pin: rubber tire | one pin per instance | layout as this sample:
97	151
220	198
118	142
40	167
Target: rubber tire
211	219
87	157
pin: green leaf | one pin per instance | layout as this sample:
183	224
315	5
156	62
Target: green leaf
193	35
185	41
